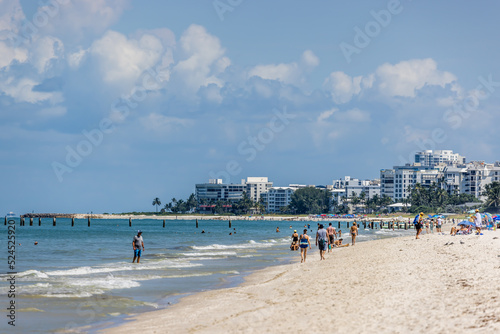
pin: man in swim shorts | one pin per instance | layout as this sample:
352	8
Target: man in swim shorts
331	236
322	241
137	243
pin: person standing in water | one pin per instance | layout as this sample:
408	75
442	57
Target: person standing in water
304	243
137	243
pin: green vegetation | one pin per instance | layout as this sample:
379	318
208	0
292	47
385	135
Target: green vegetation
435	199
310	200
492	191
156	202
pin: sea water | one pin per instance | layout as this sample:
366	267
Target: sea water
84	276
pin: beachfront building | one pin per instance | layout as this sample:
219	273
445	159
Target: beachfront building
276	198
351	185
215	190
387	183
471	178
255	186
409	175
433	158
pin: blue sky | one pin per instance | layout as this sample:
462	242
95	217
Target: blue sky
106	104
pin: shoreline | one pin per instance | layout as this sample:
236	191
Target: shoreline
410	285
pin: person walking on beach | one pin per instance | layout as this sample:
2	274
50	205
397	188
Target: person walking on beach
354	233
331	236
137	243
304	243
478	221
418	224
322	240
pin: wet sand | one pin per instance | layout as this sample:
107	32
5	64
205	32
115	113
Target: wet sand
437	284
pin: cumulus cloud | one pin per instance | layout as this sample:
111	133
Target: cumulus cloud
9	55
22	90
342	86
122	60
203	60
44	52
289	73
405	78
75	20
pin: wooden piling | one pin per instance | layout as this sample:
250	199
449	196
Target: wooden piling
229	223
130	222
339	225
364	224
196	222
406	226
5	220
31	221
53	221
88	221
163	222
347	224
39	221
72	222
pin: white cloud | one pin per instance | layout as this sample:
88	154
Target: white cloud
73	20
354	115
326	114
342	86
8	55
290	73
22	91
43	51
164	124
204	59
406	77
309	59
123	60
75	59
11	14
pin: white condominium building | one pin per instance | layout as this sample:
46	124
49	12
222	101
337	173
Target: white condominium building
256	186
471	178
433	158
356	186
216	190
409	175
277	198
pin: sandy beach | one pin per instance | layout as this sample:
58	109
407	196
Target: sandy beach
438	284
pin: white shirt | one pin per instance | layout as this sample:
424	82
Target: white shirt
478	220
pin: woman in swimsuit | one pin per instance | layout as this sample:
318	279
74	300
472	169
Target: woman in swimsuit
354	233
295	241
304	243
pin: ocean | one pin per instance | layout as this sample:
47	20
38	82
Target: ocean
83	276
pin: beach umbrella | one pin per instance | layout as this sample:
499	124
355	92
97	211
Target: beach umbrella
466	223
488	216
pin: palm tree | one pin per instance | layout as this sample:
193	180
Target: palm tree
492	191
156	202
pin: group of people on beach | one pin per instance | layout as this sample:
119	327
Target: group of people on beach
325	240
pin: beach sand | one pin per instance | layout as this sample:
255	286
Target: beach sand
438	284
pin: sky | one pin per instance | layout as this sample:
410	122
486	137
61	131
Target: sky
107	104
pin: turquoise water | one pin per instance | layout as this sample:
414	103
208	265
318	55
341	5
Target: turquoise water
79	276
